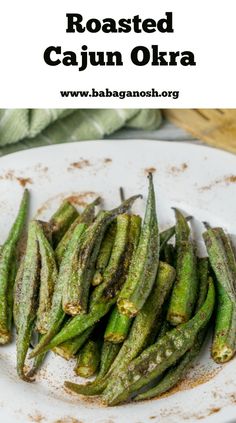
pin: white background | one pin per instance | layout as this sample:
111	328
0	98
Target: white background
28	27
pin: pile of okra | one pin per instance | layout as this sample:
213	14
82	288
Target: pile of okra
131	305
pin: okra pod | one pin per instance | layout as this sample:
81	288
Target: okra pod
37	364
104	254
17	293
75	327
118	327
158	357
86	217
108	354
57	314
177	372
165	327
168	254
48	277
69	294
167	234
184	293
224	339
182	230
140	332
90	249
88	359
61	221
229	251
144	264
28	298
10	292
69	349
8	254
112	277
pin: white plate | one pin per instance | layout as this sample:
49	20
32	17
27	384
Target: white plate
199	180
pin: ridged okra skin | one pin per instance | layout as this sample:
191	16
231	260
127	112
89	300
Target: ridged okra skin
48	278
143	268
104	254
86	217
184	294
61	221
222	261
88	359
7	270
114	272
28	298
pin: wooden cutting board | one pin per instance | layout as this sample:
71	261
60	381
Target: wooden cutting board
216	127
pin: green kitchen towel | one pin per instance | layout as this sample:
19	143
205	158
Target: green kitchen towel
27	128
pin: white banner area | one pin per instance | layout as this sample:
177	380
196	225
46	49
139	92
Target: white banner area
165	54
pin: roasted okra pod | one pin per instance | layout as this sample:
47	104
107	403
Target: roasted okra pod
143	268
184	293
223	264
8	269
